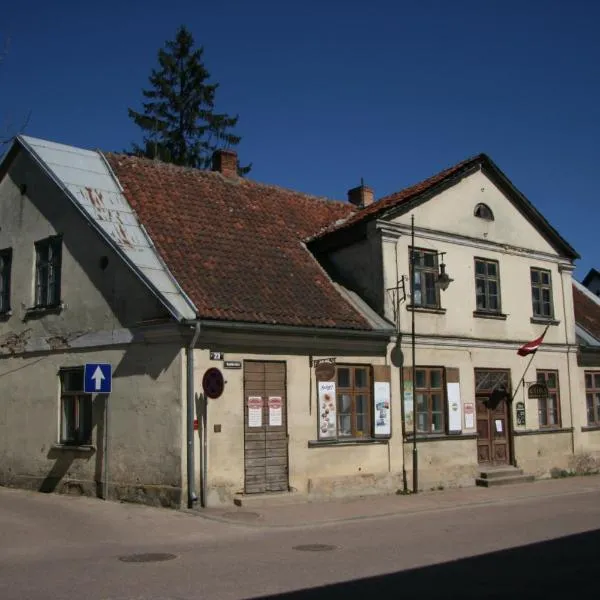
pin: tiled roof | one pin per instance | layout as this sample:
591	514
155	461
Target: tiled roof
236	246
398	198
587	311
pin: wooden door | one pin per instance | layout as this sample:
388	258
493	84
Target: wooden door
265	427
493	425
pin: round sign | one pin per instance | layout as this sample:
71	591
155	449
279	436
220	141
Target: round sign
213	383
325	371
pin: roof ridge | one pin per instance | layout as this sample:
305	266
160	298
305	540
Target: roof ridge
586	292
216	174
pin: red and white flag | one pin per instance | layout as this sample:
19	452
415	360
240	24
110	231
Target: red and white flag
531	347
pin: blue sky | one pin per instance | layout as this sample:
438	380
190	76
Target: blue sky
332	91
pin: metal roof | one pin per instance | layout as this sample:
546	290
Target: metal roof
86	178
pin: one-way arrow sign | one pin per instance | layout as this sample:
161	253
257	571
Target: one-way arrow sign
97	378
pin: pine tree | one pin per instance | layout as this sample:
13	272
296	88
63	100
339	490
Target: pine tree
179	119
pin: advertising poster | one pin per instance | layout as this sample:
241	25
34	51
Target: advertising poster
454	407
275	412
382	398
255	406
408	406
327	410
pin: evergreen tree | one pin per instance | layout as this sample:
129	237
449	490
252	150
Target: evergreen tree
179	120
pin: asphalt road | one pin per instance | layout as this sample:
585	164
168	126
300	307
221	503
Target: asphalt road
57	547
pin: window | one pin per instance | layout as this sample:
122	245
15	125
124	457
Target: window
549	408
487	285
541	293
429	388
592	397
425	276
5	269
75	409
354	401
47	272
483	211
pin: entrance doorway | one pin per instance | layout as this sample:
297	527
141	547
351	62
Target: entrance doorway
494	430
265	427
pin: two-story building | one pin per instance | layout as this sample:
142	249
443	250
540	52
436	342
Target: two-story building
261	340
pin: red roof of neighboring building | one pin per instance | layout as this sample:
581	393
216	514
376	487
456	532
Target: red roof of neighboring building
236	246
587	312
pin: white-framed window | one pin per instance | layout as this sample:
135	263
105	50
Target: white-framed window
48	258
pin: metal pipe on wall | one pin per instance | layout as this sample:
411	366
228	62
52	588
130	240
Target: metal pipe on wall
190	416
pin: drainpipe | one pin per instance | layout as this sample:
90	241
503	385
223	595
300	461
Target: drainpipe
190	417
569	374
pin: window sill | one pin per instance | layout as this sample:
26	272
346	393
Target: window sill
37	311
480	314
544	321
591	428
543	431
74	448
440	437
426	309
348	442
5	315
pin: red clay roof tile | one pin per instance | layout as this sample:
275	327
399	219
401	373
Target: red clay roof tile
235	245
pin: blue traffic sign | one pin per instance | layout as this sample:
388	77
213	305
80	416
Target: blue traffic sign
97	378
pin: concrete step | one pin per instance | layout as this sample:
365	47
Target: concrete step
267	499
506	480
497	472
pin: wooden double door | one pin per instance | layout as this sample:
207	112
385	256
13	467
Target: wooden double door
265	427
494	428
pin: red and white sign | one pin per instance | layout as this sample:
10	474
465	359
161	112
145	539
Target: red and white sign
275	412
255	406
469	415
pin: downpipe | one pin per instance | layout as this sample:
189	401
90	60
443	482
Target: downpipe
192	497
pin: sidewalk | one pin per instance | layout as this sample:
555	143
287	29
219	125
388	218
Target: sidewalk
306	513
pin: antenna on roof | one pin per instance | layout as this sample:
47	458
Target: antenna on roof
362	182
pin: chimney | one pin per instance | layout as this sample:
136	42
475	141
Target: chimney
361	196
225	162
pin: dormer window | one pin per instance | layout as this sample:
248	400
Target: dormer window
483	211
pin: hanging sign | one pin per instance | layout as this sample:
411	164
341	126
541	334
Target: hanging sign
275	411
538	390
324	368
327	409
382	399
255	406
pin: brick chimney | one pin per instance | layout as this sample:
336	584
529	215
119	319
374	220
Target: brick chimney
361	196
225	162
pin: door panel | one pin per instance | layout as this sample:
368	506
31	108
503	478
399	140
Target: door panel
492	432
266	445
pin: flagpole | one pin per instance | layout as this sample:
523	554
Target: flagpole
527	368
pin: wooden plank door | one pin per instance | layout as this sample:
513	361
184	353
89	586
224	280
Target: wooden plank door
265	427
492	434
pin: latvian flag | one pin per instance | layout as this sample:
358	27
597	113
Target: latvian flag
531	347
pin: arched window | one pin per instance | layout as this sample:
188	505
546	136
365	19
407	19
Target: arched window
483	211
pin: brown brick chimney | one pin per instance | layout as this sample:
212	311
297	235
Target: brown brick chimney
225	162
361	196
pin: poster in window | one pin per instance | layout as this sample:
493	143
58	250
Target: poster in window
382	413
327	410
454	408
255	407
275	412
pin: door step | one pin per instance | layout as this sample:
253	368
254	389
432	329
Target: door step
267	499
504	475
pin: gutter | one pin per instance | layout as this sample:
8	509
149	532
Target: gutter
192	498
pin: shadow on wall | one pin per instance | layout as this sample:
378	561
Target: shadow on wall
542	570
64	457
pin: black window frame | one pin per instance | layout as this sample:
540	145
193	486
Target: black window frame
48	266
592	397
486	280
428	391
76	422
5	279
540	286
544	408
427	273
